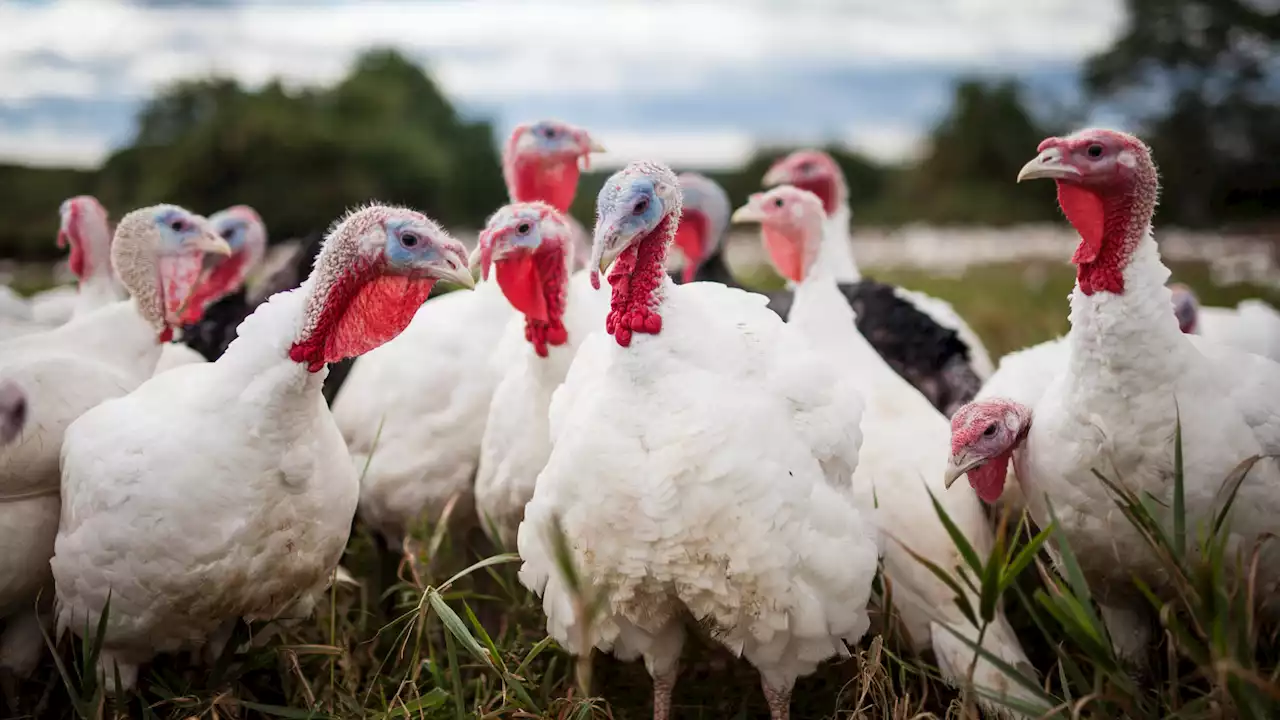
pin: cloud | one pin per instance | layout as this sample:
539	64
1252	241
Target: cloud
54	148
725	69
702	149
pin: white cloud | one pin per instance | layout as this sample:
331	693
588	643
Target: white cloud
703	150
50	148
885	143
508	47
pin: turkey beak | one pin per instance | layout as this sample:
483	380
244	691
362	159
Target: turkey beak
1048	164
211	244
959	464
457	272
747	213
474	262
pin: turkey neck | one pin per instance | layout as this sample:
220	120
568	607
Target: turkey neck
835	253
637	280
1129	340
552	182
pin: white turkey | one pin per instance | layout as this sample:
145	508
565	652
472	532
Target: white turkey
700	466
413	411
1252	326
904	442
68	370
83	227
221	491
1129	370
921	337
246	235
530	248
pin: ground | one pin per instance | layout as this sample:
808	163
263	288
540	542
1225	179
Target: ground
422	654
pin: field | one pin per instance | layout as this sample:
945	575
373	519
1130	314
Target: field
475	646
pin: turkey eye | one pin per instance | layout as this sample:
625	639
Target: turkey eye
178	225
990	431
409	240
226	234
778	202
1094	151
523	228
806	168
641	206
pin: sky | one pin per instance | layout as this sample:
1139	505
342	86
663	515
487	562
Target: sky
694	83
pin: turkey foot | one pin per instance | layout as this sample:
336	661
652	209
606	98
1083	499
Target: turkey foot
663	685
779	701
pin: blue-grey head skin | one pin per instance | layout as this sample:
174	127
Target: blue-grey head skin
415	244
183	231
1186	307
13	411
520	227
632	203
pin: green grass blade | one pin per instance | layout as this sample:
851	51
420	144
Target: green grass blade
961	542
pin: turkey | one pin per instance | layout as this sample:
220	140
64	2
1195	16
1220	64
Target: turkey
87	230
1128	371
221	491
904	442
413	411
68	370
920	337
530	247
1252	326
700	237
700	465
83	227
1020	378
244	232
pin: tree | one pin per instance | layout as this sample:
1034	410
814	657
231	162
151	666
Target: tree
973	156
1201	77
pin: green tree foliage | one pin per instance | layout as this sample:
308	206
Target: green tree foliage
1202	75
300	157
972	158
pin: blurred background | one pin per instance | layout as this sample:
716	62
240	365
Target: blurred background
305	109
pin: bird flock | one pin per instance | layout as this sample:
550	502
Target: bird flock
749	462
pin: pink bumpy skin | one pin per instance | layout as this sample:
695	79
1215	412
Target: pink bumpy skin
1107	188
984	435
815	171
529	247
790	227
375	270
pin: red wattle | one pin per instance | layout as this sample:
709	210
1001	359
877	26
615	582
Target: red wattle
362	311
824	188
988	480
786	252
690	234
554	182
521	282
1102	254
223	279
636	277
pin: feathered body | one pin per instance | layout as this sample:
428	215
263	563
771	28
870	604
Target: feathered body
533	269
905	441
700	466
235	469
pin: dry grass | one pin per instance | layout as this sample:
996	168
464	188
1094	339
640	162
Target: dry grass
457	637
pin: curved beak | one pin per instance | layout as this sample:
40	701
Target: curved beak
1048	164
458	273
211	244
747	213
960	464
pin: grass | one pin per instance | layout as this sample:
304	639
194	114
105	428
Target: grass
458	637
